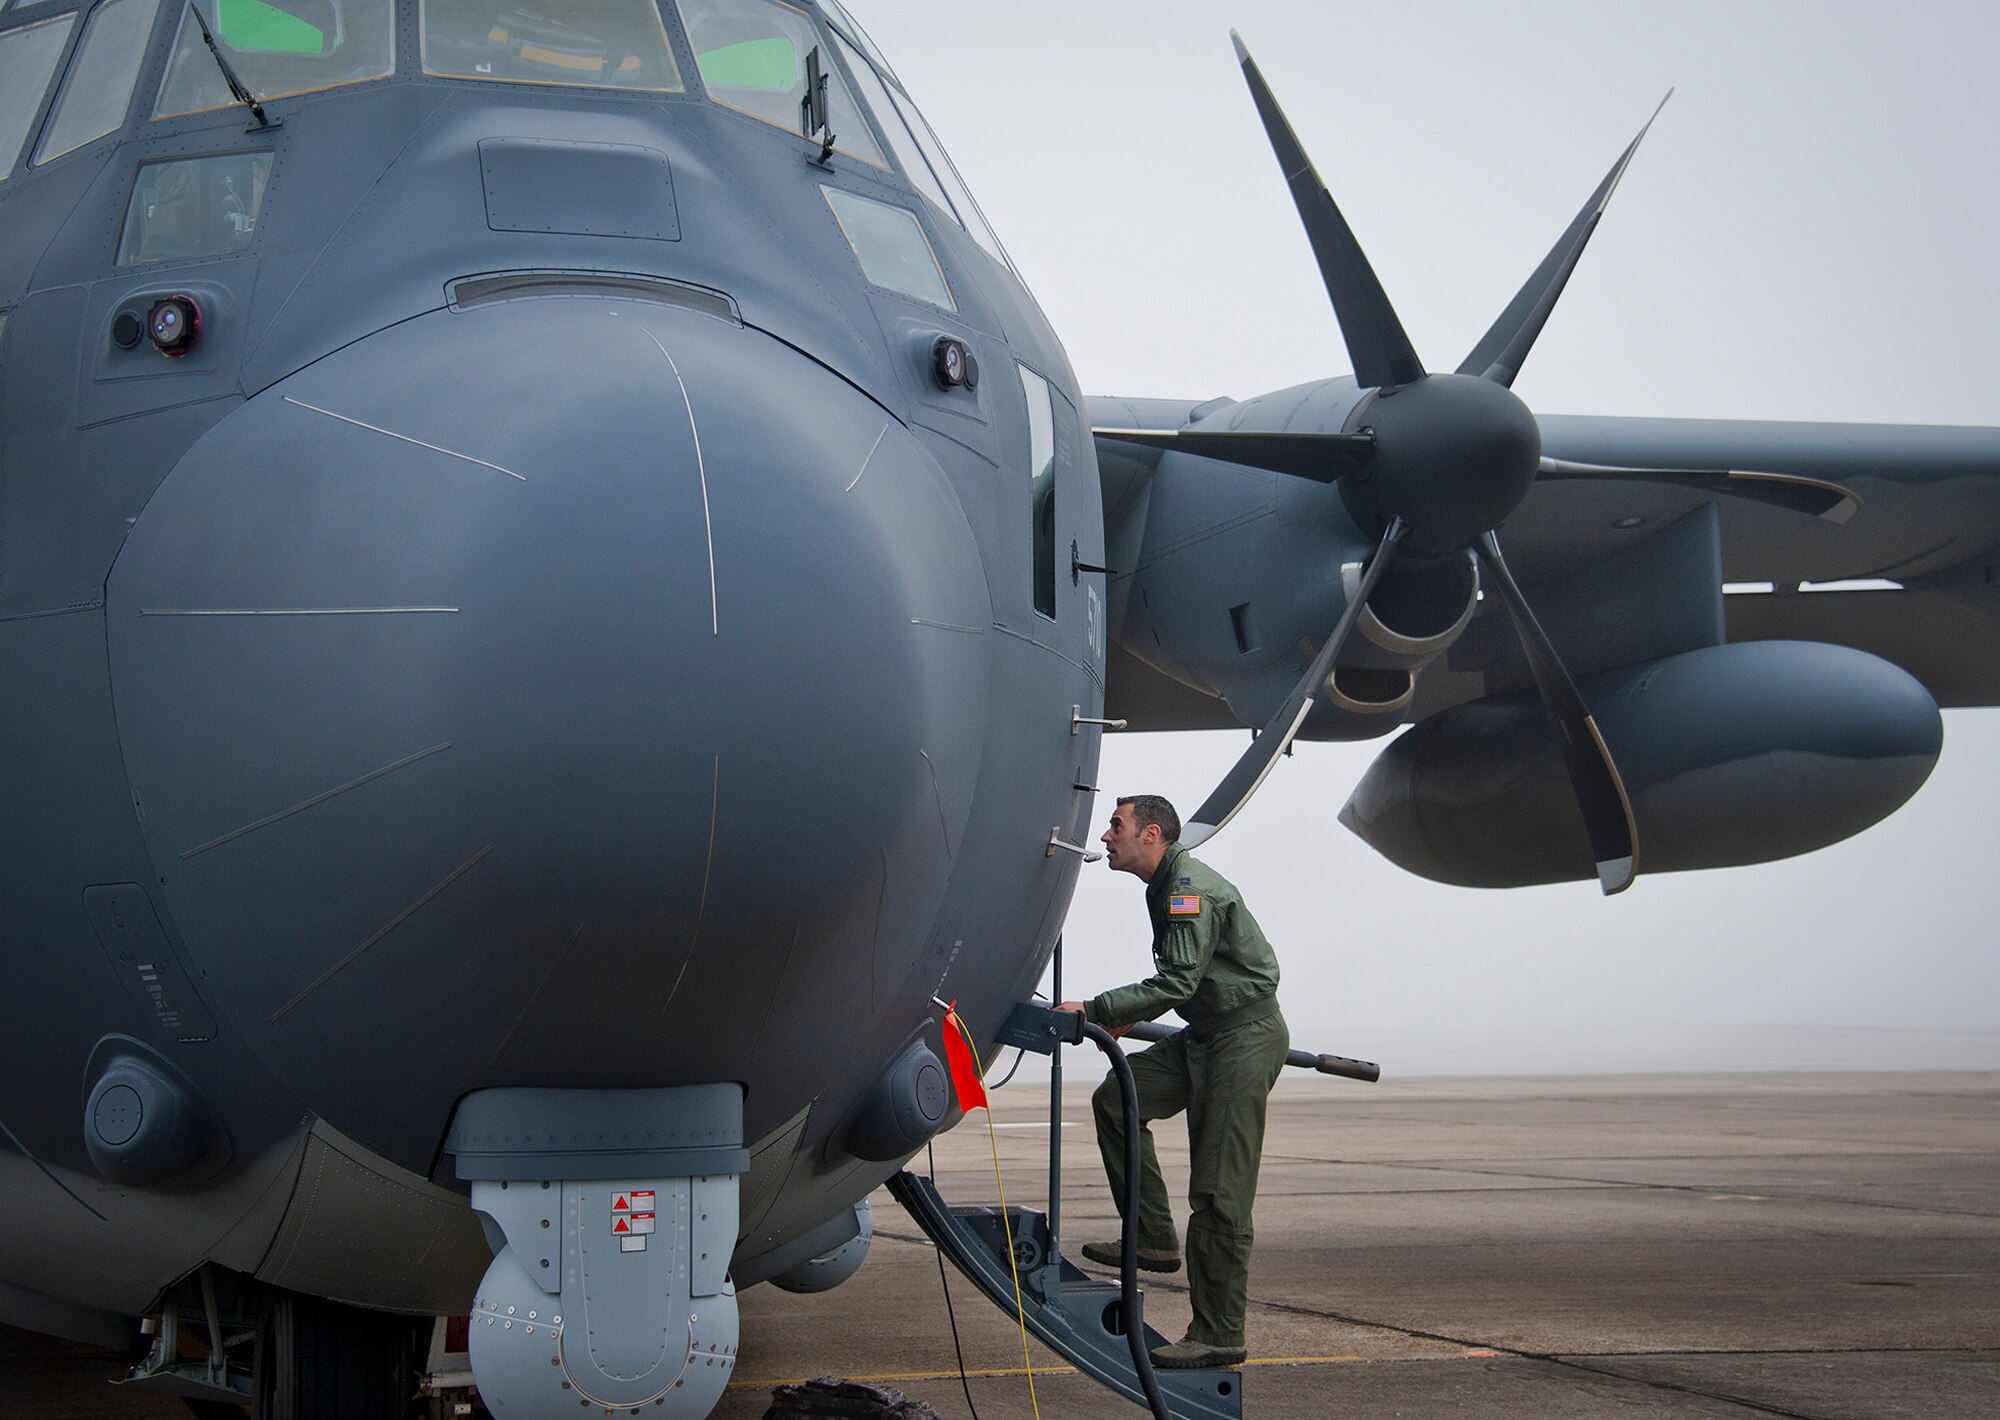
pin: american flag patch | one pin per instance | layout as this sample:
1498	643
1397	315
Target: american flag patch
1184	904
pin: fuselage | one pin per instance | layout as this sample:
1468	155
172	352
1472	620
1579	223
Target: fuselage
553	626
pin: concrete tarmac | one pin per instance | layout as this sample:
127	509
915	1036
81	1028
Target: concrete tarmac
1822	1246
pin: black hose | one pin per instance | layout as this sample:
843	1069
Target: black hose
1131	1304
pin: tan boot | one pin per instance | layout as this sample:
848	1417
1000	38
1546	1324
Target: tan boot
1112	1254
1186	1355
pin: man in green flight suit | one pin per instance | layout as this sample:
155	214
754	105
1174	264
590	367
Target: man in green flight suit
1212	966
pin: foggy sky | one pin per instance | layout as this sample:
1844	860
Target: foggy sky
1806	234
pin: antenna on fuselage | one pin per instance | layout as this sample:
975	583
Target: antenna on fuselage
243	95
812	108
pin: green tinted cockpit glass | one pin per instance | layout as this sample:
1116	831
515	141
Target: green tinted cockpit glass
28	59
596	44
254	25
277	48
891	246
752	57
101	77
753	64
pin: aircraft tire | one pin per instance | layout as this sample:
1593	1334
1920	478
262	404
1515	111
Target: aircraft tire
320	1360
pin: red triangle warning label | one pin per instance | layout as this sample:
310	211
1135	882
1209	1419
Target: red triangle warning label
621	1204
621	1226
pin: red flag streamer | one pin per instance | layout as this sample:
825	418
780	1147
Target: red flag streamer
958	1056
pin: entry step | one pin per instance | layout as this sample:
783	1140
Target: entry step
1079	1316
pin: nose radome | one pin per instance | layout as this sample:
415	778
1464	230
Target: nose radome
554	622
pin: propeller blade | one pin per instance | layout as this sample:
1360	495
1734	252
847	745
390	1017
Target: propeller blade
1499	355
1323	458
1600	793
1814	497
1381	352
1248	773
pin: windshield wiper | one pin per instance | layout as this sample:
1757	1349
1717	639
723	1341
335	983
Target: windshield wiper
243	95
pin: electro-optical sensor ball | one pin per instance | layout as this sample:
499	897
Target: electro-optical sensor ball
953	364
174	325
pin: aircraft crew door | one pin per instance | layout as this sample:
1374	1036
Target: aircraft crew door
1066	535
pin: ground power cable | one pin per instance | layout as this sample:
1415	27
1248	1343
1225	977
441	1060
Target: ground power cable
964	1383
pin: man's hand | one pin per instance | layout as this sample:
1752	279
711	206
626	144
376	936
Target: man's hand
1078	1007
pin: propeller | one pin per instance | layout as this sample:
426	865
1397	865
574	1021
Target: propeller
1447	457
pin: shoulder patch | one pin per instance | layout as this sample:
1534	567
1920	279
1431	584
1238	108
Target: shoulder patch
1184	904
1187	882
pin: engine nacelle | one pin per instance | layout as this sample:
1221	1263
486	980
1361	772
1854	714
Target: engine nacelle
1417	612
1730	755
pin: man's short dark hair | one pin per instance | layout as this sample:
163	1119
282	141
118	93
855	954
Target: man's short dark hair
1151	808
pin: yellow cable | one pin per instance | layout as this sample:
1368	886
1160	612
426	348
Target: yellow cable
1006	1226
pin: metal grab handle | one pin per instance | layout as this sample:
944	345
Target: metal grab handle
1056	841
1131	1304
1077	720
1366	1071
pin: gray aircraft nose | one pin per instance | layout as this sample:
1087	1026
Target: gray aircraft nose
536	692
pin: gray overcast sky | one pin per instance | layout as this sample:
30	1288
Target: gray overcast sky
1806	234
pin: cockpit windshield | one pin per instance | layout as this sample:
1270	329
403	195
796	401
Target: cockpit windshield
917	150
101	77
28	58
752	56
599	44
277	48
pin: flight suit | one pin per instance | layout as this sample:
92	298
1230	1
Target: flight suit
1215	969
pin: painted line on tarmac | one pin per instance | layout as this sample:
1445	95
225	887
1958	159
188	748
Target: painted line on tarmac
1002	1372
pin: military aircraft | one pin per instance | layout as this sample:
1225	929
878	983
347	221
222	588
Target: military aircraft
558	592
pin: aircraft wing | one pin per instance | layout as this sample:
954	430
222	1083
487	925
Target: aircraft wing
1928	521
1921	532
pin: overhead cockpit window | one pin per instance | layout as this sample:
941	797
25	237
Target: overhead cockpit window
186	208
599	44
891	246
99	87
277	48
28	59
752	57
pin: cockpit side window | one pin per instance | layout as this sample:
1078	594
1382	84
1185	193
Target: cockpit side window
752	56
890	244
101	77
968	210
277	48
28	58
598	44
836	15
908	156
918	153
